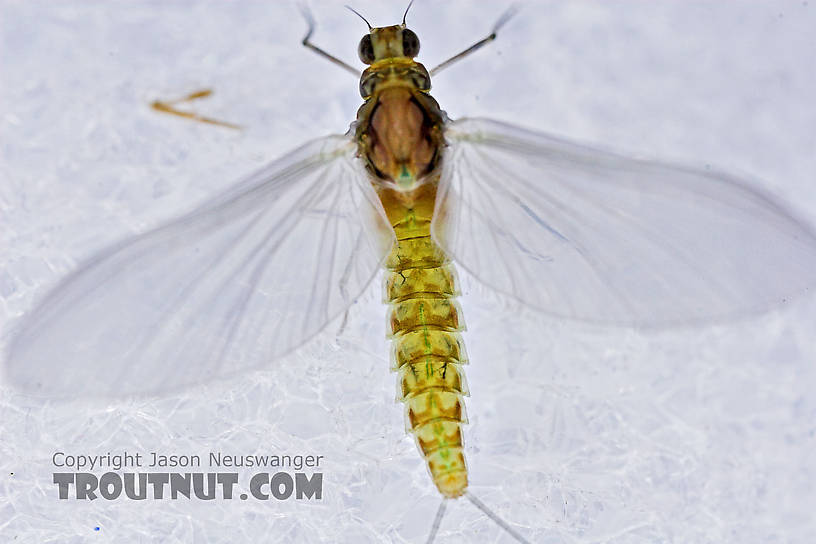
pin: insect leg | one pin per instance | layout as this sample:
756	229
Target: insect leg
307	14
506	16
169	106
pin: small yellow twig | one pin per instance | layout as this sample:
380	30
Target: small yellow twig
169	107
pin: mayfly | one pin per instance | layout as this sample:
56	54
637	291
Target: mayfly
564	228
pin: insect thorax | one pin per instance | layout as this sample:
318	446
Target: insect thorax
399	127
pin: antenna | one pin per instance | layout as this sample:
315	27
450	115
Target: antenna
357	13
404	15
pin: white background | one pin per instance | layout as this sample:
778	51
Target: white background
577	434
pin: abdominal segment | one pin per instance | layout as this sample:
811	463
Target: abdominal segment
424	322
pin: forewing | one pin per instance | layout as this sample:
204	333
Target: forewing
583	233
233	285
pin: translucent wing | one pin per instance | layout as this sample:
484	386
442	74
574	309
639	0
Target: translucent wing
233	285
584	233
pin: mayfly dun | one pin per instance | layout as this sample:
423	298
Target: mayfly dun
563	228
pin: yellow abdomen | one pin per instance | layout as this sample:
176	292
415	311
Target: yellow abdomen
424	322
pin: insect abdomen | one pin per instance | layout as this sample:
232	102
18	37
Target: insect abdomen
424	322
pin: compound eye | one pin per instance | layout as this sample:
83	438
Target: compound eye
366	50
410	43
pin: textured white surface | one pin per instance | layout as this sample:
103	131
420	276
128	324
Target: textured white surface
578	434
